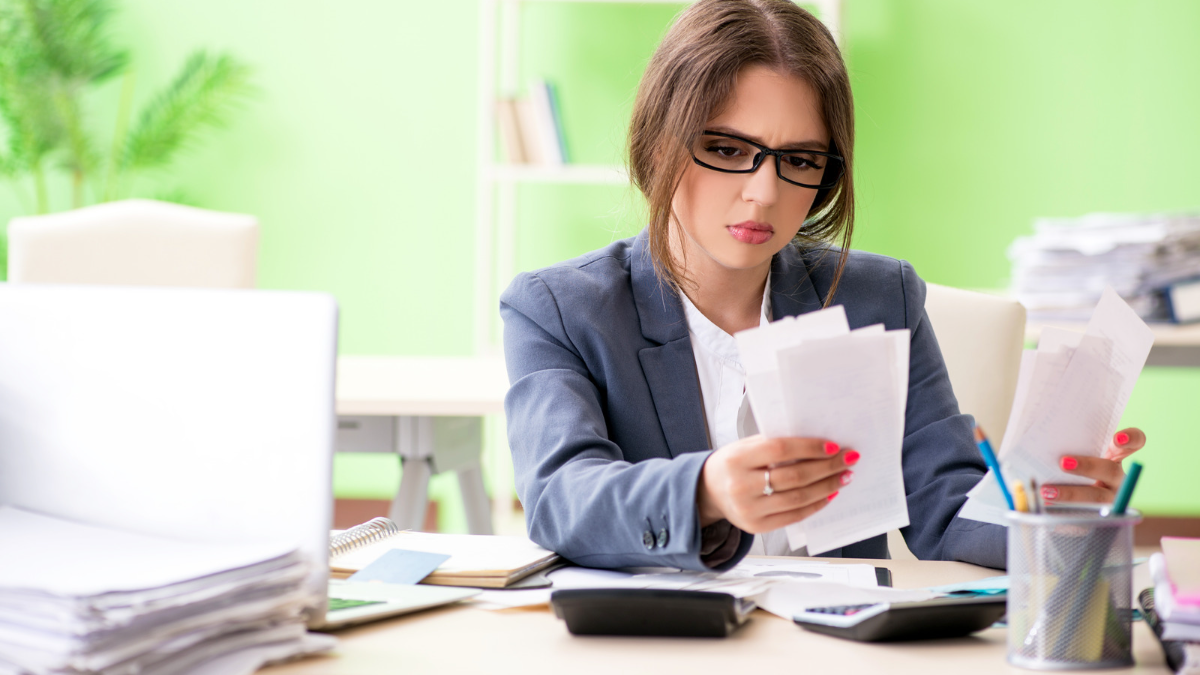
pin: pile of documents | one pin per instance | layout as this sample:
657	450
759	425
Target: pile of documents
78	598
1173	605
1060	271
1071	392
781	586
811	376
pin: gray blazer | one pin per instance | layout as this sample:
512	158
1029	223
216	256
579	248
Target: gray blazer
606	424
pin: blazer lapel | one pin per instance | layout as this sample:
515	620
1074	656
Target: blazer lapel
670	367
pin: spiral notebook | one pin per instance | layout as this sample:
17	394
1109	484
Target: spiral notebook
480	561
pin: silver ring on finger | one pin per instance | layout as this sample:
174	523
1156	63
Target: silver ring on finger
767	489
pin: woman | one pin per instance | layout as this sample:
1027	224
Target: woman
627	391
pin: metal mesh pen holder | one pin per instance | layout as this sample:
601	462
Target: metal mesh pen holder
1070	588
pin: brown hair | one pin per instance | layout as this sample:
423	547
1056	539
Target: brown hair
692	75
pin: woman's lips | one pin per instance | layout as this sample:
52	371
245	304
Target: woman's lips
751	232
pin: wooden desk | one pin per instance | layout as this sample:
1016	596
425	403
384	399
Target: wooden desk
462	639
429	412
1175	345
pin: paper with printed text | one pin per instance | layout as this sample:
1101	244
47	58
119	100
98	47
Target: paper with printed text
811	376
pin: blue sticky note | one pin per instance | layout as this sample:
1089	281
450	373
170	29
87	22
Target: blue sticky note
399	566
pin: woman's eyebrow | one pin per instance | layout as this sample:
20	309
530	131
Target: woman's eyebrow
797	145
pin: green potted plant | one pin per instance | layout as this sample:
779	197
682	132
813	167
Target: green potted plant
52	53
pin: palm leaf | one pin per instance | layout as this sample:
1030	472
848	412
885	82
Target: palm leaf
201	96
69	37
26	97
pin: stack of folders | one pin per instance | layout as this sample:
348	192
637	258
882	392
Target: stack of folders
1060	271
1172	607
531	127
78	598
812	376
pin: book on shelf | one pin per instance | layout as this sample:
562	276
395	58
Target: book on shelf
556	115
532	148
531	127
480	561
544	123
511	139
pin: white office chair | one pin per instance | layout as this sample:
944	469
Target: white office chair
981	337
137	242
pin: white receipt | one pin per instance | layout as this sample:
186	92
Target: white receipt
810	376
1071	392
816	583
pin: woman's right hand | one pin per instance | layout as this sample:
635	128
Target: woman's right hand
805	475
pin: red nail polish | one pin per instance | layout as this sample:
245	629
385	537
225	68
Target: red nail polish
1069	463
832	496
1049	493
831	448
1121	438
846	477
852	457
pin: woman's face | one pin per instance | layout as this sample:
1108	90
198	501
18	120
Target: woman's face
738	221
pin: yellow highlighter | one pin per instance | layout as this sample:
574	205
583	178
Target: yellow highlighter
1020	498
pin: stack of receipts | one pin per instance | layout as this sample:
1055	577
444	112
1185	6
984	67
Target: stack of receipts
811	376
83	599
1071	392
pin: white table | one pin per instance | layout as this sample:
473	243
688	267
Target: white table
429	411
463	639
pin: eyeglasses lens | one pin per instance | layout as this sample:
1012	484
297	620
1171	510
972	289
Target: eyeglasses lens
731	154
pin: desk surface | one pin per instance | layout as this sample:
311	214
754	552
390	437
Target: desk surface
423	385
462	639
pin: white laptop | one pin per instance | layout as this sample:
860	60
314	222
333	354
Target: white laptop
202	414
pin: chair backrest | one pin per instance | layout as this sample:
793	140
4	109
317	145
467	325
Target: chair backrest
137	242
981	337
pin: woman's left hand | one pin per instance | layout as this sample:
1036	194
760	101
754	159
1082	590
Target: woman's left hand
1106	471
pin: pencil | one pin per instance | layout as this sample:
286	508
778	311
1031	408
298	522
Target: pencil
1019	497
989	458
1126	490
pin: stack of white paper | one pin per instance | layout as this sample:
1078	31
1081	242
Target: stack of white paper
81	599
780	586
811	376
1060	271
1071	392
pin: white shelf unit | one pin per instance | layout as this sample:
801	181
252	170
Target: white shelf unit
497	182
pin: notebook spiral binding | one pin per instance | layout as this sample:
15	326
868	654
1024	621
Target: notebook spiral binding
375	529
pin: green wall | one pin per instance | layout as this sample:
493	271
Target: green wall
973	118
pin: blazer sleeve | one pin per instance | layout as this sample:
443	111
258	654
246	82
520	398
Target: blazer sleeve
582	498
941	462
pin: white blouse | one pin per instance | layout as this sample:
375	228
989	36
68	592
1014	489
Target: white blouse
723	389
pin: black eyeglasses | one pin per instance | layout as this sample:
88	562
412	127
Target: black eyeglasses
732	154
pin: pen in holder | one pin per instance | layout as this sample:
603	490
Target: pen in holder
1071	588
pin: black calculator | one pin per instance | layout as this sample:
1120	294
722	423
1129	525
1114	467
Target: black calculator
947	617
